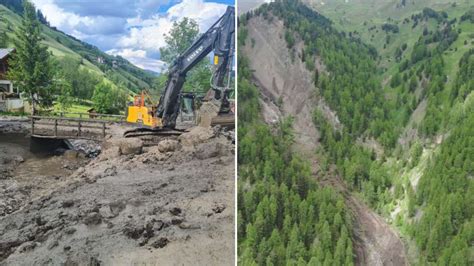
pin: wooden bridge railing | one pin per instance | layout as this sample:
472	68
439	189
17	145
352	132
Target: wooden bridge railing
68	128
118	118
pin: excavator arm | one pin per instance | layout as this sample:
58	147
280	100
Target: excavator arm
218	39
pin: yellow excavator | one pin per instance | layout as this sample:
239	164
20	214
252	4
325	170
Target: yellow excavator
161	118
142	111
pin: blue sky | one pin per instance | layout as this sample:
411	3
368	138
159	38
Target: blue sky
132	29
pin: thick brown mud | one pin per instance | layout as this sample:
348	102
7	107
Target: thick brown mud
168	204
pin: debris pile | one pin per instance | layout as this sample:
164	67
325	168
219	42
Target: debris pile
133	204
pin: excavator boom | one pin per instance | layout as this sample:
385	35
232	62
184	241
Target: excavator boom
218	39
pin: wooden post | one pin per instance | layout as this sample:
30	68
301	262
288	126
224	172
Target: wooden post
79	129
55	127
32	125
103	129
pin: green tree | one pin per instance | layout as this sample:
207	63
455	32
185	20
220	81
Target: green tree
3	33
31	67
178	40
180	37
396	80
64	98
108	99
82	81
413	83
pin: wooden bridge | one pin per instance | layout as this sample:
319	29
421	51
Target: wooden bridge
52	127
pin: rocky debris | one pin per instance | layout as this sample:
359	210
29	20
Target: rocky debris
175	211
94	262
89	147
67	203
133	231
11	198
110	153
218	208
53	244
143	231
93	218
160	243
12	160
116	207
70	230
112	210
111	171
206	113
168	145
188	226
177	221
115	147
228	134
209	150
196	136
17	159
130	146
27	246
9	125
142	208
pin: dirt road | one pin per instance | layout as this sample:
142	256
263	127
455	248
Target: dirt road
171	204
279	77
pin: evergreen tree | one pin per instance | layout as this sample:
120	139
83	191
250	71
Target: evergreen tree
31	67
3	33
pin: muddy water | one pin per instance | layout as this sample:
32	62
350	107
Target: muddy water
35	165
25	175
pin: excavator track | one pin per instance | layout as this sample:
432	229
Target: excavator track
142	132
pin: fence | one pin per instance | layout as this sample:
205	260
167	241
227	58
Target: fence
115	118
68	128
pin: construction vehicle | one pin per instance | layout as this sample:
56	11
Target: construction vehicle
142	110
219	39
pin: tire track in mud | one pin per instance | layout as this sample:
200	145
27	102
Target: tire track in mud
276	76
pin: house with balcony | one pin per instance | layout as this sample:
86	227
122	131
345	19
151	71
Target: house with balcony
9	97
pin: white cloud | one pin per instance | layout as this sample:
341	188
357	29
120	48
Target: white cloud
149	34
60	18
142	36
140	59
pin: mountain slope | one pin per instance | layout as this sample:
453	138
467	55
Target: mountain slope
404	97
426	63
364	19
114	68
281	79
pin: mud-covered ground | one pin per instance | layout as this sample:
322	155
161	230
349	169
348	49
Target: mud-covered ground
169	204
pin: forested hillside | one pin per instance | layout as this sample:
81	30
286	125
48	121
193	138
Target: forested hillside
400	80
284	217
91	62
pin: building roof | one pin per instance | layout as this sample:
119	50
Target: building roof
5	52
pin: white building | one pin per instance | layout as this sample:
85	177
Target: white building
9	98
